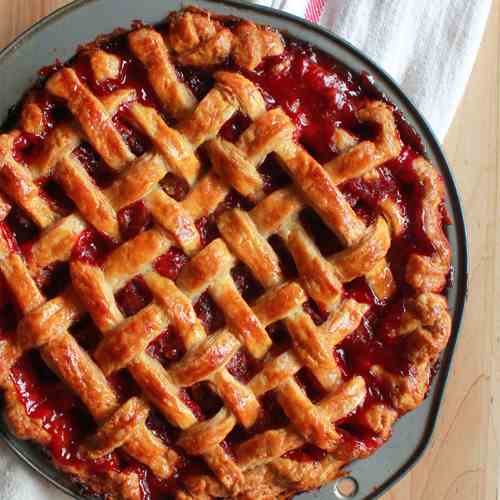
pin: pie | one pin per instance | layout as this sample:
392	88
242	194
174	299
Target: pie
223	264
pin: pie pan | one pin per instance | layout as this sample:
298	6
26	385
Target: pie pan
57	37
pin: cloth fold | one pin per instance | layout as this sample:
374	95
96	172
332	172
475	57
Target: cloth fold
428	46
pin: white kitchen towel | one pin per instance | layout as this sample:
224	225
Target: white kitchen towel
428	46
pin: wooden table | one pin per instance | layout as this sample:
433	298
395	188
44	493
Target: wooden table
463	461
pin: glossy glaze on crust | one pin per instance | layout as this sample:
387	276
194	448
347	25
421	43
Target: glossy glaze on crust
222	264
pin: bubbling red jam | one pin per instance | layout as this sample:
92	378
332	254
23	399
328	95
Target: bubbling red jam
315	91
171	263
134	219
59	412
27	147
92	247
55	195
167	347
133	297
101	173
320	96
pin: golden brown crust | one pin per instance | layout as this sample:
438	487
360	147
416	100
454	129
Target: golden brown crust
17	183
379	419
406	392
5	207
91	201
253	43
92	116
320	191
149	47
58	144
32	119
132	337
208	118
214	51
362	257
361	158
171	144
75	366
231	164
429	273
191	27
55	243
240	318
104	65
199	39
116	430
249	246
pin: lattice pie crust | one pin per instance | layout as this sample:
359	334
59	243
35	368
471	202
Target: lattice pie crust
189	146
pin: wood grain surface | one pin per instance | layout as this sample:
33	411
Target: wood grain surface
462	462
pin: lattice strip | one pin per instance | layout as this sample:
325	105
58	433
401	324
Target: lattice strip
232	165
116	431
14	271
59	143
148	46
356	160
321	194
90	200
55	243
316	274
140	179
130	338
313	424
92	116
312	349
81	374
135	256
249	246
175	219
240	318
18	184
172	145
